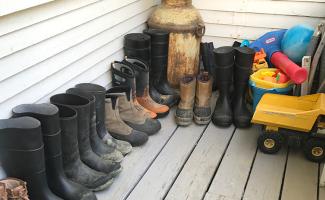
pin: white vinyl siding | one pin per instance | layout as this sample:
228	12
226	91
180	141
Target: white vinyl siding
229	20
48	48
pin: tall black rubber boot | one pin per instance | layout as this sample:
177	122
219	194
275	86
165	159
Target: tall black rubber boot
159	61
97	144
208	60
244	58
138	45
73	167
99	93
48	115
22	155
224	58
82	106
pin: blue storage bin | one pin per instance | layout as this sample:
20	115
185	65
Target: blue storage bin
259	92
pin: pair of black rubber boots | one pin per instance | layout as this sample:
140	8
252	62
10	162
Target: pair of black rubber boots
151	46
232	66
55	150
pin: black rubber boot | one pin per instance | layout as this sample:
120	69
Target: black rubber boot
224	58
99	93
73	167
208	60
22	155
243	68
159	62
48	115
138	45
97	144
90	158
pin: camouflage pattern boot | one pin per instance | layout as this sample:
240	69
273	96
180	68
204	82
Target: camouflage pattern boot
202	108
3	192
184	111
15	189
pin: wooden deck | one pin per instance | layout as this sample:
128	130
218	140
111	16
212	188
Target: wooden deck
212	163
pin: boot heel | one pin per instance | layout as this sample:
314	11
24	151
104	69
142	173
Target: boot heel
202	120
183	121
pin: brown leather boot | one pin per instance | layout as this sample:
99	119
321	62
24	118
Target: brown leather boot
202	108
117	127
16	189
141	70
184	111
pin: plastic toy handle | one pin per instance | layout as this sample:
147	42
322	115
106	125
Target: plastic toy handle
297	74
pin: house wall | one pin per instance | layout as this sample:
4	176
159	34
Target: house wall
229	20
48	48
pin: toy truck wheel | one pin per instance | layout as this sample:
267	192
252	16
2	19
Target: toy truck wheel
315	150
269	143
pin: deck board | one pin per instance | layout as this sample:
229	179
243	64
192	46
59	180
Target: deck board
198	172
231	177
212	163
266	177
160	176
301	178
322	188
137	163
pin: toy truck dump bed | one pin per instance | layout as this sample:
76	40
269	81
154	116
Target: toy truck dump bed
289	112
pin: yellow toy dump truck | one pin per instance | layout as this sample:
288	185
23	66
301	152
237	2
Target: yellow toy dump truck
300	121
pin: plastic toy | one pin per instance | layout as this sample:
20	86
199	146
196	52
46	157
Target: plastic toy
298	120
295	41
259	60
271	43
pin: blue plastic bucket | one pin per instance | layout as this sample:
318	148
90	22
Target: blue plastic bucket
259	92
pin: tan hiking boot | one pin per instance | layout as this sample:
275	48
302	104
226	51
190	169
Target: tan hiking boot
131	115
184	111
117	127
15	189
202	108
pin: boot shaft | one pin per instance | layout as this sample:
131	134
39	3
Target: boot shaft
187	92
82	107
244	63
123	75
203	90
48	115
99	93
114	123
141	72
69	133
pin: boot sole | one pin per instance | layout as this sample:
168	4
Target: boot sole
161	115
221	124
104	186
202	120
183	121
116	172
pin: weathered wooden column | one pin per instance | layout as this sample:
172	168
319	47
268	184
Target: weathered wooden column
186	29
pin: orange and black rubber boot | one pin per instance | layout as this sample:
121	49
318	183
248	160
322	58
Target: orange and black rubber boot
141	70
123	75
